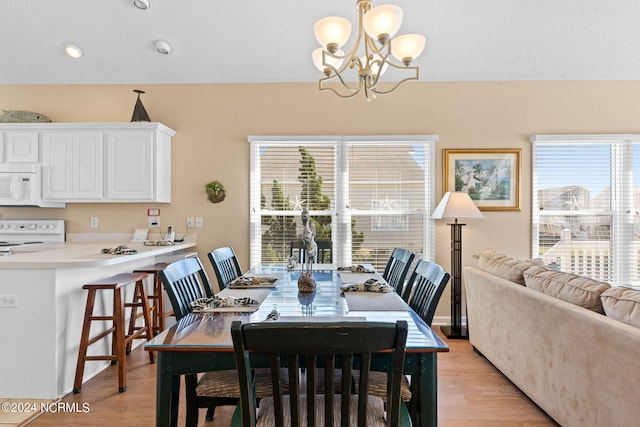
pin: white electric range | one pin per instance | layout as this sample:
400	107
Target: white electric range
17	233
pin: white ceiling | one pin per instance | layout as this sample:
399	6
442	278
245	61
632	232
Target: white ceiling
241	41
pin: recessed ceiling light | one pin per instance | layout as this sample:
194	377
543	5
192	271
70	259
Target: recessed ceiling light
72	50
162	47
141	4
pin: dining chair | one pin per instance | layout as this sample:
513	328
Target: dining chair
396	270
225	264
330	345
426	284
325	254
186	281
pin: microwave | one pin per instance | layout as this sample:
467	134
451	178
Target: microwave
20	186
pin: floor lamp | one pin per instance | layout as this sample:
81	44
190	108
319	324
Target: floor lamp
456	205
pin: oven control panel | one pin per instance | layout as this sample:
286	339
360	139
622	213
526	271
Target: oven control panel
14	228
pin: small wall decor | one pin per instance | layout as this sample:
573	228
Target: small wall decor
21	116
490	177
215	191
139	112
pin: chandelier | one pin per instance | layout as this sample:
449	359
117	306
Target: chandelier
377	28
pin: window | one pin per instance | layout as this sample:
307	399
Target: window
586	205
366	195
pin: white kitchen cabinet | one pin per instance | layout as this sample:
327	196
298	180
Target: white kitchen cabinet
22	146
72	167
94	162
138	164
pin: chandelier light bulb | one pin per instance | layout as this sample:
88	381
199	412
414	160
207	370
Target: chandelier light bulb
330	60
383	22
407	47
332	32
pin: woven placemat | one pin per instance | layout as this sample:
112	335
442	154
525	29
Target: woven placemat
375	301
349	278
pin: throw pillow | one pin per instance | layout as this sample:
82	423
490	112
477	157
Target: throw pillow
578	290
623	304
504	266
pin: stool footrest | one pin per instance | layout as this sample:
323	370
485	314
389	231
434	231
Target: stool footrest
104	357
101	335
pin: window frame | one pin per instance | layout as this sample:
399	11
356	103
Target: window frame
621	148
341	214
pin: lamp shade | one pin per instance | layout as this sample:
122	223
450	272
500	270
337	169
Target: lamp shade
408	47
385	19
456	205
332	30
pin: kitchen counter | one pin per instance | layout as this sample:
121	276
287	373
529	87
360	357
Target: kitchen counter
41	333
82	254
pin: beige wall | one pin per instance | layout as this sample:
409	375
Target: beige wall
212	123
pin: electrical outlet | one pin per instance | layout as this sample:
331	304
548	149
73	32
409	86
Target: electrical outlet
190	222
94	222
8	301
154	221
198	222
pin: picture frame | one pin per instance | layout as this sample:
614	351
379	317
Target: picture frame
491	177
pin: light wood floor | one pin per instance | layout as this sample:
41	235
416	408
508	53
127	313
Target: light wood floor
471	393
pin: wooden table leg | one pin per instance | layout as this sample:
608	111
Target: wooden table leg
167	391
424	409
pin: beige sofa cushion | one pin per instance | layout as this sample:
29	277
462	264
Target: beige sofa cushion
578	290
622	304
505	266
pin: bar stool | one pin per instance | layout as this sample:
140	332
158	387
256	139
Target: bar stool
120	340
157	308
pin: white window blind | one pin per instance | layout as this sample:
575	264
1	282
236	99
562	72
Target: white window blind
366	195
586	205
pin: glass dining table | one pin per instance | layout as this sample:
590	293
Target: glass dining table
201	342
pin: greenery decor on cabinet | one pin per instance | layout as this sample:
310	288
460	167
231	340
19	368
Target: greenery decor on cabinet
215	191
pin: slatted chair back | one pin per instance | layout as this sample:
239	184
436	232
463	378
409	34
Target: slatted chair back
325	254
225	264
426	284
185	281
328	345
396	270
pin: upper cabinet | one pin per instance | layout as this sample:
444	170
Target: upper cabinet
22	146
72	166
94	162
138	165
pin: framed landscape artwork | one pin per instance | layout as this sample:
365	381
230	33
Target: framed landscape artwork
490	177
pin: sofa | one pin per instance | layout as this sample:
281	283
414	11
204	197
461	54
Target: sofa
571	344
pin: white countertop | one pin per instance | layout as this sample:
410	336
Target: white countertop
82	254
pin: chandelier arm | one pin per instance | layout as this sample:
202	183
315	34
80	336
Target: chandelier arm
371	45
338	75
331	67
385	92
330	89
354	90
